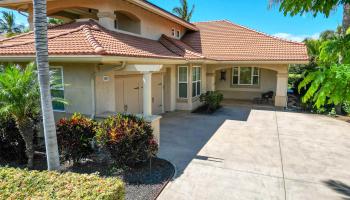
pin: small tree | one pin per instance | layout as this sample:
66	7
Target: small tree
19	98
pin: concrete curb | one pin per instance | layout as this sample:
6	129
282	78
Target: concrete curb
169	179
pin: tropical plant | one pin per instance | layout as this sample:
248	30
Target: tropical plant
183	11
129	139
41	49
328	85
19	99
8	24
75	136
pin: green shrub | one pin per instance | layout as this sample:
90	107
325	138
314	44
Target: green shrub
212	99
24	184
12	146
346	108
129	139
75	136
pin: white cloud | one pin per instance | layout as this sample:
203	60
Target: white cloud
298	38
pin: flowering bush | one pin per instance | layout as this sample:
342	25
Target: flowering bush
129	139
74	137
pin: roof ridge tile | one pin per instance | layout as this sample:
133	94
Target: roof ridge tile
92	40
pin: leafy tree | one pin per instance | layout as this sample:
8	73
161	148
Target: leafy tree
41	49
55	21
8	24
336	49
328	85
19	99
294	7
183	11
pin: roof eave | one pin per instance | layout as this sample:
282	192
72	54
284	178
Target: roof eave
160	11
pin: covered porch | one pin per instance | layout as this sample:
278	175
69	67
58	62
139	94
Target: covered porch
247	82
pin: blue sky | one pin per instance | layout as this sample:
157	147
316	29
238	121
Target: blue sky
256	15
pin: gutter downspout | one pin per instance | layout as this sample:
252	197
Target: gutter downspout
93	85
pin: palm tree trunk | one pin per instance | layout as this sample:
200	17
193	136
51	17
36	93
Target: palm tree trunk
41	47
25	128
346	17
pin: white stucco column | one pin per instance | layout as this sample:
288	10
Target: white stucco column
106	19
210	81
147	93
281	90
173	94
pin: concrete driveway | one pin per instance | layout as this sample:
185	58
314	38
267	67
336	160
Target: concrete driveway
242	153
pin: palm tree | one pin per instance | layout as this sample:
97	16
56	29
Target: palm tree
19	99
8	24
41	47
183	11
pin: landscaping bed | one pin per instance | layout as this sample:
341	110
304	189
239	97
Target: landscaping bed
140	182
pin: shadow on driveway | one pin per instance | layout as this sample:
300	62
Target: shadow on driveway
184	134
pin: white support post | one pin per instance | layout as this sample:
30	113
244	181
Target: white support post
281	90
147	94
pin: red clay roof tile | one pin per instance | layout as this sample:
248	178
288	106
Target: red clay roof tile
223	40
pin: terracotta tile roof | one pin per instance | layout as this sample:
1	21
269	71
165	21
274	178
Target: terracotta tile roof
180	48
87	38
217	40
223	40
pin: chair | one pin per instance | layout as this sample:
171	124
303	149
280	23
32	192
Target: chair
265	97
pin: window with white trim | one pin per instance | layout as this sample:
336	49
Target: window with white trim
57	87
245	76
182	81
196	81
178	34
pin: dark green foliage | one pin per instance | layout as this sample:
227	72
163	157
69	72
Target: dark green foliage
212	100
346	107
12	146
294	7
328	85
129	139
74	137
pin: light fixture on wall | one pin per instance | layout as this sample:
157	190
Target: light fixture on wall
223	75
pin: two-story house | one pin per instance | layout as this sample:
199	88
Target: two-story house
132	56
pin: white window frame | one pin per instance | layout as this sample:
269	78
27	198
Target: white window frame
61	89
251	76
178	33
178	82
197	81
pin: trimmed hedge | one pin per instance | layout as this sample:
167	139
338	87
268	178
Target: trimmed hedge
25	184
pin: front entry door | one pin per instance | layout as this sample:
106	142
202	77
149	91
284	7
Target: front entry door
129	94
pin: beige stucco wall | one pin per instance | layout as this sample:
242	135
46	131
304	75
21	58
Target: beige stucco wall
77	89
152	25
